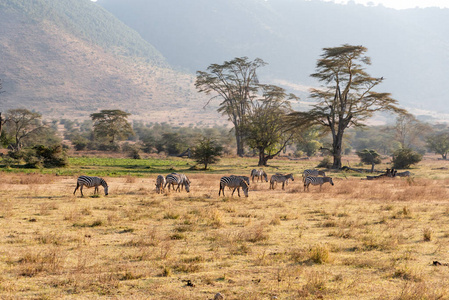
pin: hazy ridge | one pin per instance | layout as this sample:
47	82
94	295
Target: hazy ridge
71	58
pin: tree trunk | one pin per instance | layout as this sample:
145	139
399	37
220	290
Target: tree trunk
336	147
239	140
262	158
372	167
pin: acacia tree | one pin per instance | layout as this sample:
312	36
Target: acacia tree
265	126
22	124
112	124
408	130
235	83
346	97
439	143
370	157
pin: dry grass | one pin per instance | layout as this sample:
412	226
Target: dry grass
356	240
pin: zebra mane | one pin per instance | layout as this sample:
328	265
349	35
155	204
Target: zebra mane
103	182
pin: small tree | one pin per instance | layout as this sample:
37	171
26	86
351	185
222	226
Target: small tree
112	125
409	131
369	157
308	141
439	143
265	126
405	157
23	124
207	152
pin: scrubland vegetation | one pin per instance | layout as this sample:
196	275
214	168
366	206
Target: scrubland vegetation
358	239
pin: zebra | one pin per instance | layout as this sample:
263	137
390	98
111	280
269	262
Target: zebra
259	174
233	182
89	182
312	172
245	178
179	179
286	181
160	184
404	174
280	178
316	181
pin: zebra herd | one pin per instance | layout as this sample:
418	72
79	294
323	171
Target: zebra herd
310	177
172	179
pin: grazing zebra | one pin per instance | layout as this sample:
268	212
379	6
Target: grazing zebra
233	182
286	182
280	178
160	184
245	178
89	182
316	181
404	174
259	174
312	172
179	179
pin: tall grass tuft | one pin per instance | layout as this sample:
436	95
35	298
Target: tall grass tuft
319	254
427	234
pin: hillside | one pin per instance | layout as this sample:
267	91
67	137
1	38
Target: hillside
68	59
408	47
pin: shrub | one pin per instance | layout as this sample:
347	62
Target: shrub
326	162
427	234
80	143
405	157
52	156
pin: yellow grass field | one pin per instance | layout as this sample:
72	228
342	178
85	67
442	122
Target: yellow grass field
357	239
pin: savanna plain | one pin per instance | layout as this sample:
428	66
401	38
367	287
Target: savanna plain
358	239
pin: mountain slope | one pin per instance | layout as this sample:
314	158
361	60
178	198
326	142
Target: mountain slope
68	58
408	47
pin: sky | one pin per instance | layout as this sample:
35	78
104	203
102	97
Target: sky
402	4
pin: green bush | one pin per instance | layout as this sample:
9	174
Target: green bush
48	157
207	152
405	157
369	157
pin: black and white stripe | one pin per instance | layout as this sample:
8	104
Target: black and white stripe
404	174
180	180
89	181
312	172
280	178
245	178
160	184
312	180
234	182
259	174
